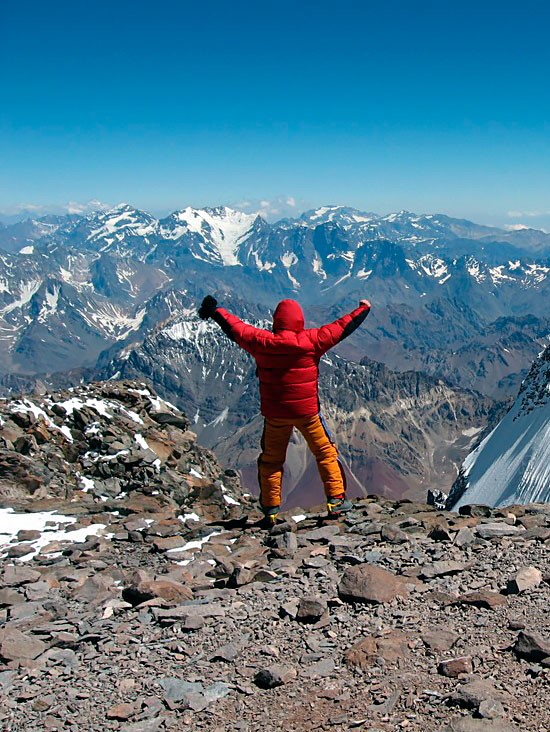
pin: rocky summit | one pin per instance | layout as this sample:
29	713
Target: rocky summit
140	592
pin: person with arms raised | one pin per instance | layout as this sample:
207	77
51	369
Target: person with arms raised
287	360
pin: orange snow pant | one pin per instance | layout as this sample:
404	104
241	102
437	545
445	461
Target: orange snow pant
275	440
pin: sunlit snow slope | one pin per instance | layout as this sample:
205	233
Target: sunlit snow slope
512	464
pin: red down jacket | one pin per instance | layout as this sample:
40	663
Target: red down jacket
288	357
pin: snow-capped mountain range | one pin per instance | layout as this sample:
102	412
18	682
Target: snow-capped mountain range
512	464
456	299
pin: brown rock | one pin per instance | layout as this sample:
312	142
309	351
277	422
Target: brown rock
122	712
390	647
164	543
16	646
10	597
28	535
453	667
141	588
483	598
19	550
370	584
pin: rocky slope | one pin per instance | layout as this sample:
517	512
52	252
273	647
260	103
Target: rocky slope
113	446
137	596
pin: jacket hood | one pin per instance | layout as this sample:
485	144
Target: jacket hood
288	315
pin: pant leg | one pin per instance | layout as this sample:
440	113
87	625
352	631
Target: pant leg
274	443
323	448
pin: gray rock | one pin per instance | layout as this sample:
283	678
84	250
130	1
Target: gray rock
147	725
321	669
323	534
491	709
476	691
182	612
227	653
526	578
310	609
440	569
15	575
532	646
464	537
440	639
468	724
498	530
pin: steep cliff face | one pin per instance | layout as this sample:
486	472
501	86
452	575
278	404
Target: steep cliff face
512	465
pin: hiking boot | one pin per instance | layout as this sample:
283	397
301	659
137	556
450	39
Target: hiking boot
271	515
338	506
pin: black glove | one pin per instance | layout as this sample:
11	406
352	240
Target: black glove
208	307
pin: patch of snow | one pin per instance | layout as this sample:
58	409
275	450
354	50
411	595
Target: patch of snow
229	500
474	270
498	275
288	259
222	227
196	544
26	292
433	266
87	483
11	523
364	274
472	431
27	250
536	272
512	464
220	419
190	516
141	441
49	305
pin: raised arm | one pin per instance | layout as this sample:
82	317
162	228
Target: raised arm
331	334
245	335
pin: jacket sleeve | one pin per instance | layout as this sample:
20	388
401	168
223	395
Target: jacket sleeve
244	335
331	334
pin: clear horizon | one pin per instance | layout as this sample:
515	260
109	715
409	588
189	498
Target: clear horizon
427	107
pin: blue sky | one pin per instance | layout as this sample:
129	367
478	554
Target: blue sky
425	105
